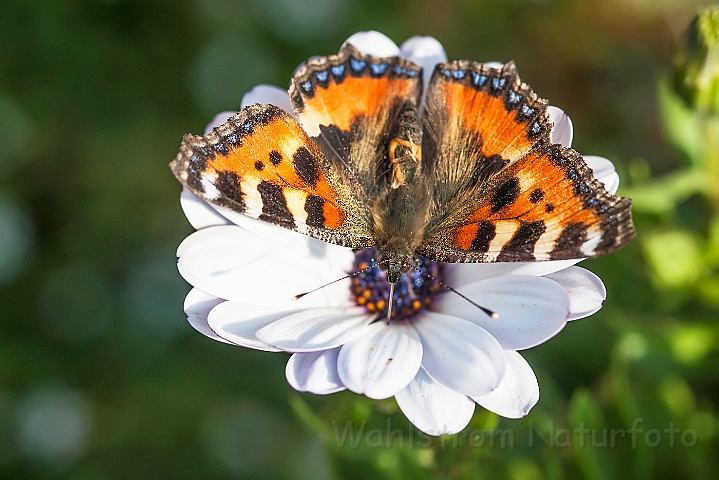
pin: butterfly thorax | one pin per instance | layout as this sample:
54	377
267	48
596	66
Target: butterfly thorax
404	150
400	212
400	218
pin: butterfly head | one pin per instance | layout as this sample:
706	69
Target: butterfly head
394	263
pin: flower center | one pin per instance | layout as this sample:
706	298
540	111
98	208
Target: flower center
412	293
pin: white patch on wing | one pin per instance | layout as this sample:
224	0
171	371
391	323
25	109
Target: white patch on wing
594	237
505	230
290	146
525	181
296	200
545	243
208	186
252	197
311	121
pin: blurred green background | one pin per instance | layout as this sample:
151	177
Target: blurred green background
101	377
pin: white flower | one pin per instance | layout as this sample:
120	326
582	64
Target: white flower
438	363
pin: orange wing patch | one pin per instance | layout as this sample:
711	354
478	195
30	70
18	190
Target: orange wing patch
493	103
335	90
341	103
262	164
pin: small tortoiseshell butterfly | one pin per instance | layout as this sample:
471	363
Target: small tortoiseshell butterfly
470	175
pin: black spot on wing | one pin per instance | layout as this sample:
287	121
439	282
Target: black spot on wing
485	235
521	246
259	166
275	157
274	205
505	195
228	183
306	166
569	242
536	195
315	211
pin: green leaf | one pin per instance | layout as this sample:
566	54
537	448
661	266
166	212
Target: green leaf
682	125
691	343
662	195
674	257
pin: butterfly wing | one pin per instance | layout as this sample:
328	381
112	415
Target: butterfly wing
505	192
262	163
316	176
349	103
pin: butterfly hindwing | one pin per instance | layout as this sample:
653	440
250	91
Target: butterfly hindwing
349	103
477	121
262	164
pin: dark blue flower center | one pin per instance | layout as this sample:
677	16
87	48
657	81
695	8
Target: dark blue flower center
413	293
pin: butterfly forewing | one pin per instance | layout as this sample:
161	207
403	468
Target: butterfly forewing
547	206
261	163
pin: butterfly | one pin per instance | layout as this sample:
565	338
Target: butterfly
465	173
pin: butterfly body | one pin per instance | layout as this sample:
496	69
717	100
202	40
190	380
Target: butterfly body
467	173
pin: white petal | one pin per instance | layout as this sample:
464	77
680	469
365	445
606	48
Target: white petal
458	353
338	258
605	172
218	120
432	407
586	291
424	51
198	212
518	391
268	94
459	274
563	130
261	228
314	372
231	263
315	329
238	323
381	361
197	306
531	309
374	43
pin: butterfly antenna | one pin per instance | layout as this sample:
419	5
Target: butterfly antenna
389	302
489	312
297	297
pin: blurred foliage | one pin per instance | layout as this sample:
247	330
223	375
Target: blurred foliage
101	377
